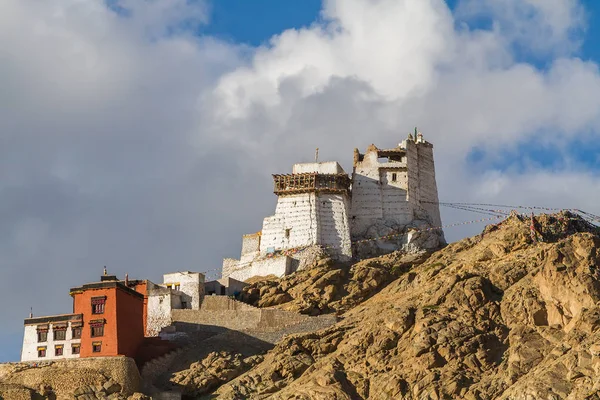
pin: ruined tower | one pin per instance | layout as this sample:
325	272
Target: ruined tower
394	192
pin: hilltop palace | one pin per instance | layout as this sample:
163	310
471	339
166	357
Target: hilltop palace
320	209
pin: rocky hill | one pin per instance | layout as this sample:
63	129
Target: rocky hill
508	314
503	315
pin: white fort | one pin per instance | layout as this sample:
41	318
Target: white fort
392	193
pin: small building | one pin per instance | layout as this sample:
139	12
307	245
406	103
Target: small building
179	290
53	337
224	287
107	320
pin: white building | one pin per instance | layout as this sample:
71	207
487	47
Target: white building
51	338
179	290
312	212
393	194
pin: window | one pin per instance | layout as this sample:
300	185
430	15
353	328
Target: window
76	333
287	233
41	352
98	330
184	304
96	347
98	305
169	286
42	336
177	286
59	333
75	349
394	177
58	350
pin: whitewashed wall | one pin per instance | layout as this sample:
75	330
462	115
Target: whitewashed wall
160	303
298	213
278	266
333	224
30	344
191	284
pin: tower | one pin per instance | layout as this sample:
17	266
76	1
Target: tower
394	192
312	209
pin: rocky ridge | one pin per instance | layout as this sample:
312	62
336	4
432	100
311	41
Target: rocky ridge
503	315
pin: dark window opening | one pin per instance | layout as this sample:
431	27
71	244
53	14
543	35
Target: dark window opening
394	177
42	336
97	330
183	304
76	333
58	351
97	347
60	334
287	233
41	352
75	349
98	305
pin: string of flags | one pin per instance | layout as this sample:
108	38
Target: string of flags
497	212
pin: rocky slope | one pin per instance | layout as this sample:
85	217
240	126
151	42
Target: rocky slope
328	286
497	316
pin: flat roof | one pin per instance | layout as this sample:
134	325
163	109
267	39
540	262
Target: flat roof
107	285
53	318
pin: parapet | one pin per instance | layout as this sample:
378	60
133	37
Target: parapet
328	167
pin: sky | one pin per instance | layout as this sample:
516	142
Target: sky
142	134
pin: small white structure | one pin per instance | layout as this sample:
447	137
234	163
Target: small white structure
179	290
320	209
224	287
52	338
190	284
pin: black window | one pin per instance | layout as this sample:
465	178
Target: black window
59	334
98	305
97	330
41	352
76	333
42	336
394	177
97	347
75	349
58	351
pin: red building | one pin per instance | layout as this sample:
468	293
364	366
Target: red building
113	317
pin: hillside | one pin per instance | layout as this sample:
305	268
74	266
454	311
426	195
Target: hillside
493	316
502	315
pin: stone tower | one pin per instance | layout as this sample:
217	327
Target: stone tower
394	192
312	209
312	212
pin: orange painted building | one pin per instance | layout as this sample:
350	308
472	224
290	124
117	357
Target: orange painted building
113	317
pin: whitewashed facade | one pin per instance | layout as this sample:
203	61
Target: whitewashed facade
41	341
392	193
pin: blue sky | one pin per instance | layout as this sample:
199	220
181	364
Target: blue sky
128	141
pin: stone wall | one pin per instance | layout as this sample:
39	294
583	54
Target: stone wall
64	376
293	225
221	311
251	243
333	229
160	303
277	265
